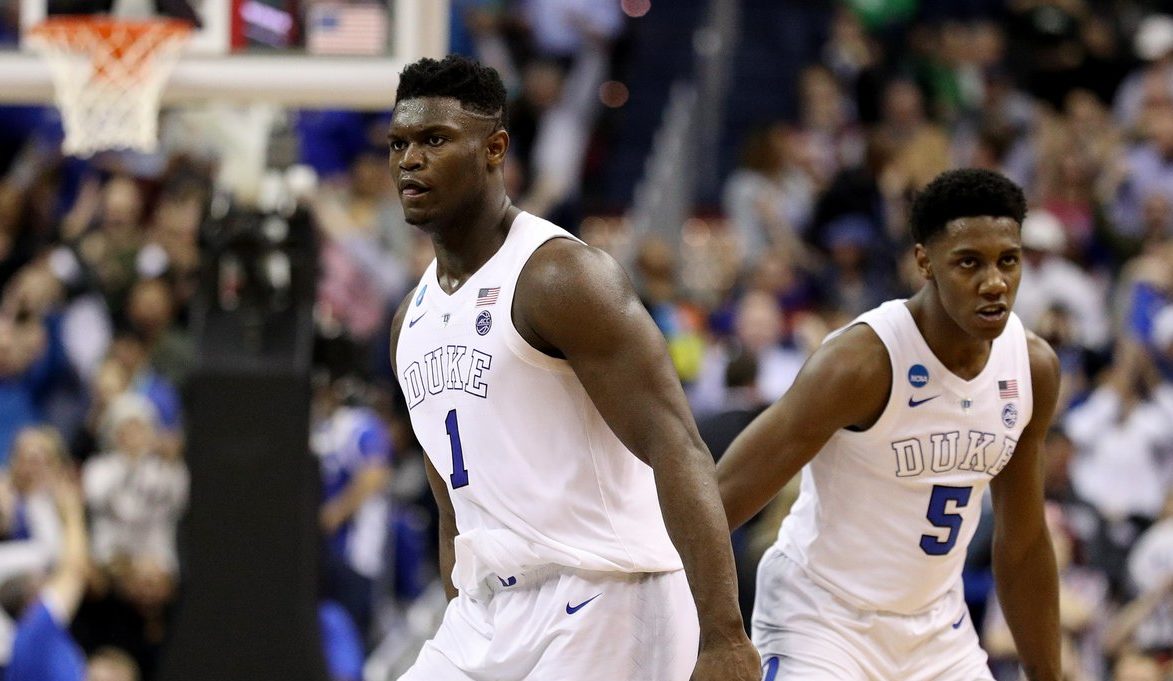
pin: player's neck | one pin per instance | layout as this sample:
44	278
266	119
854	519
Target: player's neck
961	353
469	241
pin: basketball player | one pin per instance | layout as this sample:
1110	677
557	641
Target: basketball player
572	484
898	423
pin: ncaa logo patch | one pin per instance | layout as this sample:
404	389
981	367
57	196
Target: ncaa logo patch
918	375
484	322
420	298
1009	415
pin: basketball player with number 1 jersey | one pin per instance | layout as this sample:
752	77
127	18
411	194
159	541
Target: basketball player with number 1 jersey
581	534
899	423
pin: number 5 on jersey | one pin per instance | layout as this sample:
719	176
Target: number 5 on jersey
459	475
939	517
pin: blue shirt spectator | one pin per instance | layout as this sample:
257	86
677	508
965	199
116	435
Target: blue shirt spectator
26	375
43	649
351	440
341	642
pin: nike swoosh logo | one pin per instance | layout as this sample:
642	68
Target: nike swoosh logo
917	403
571	609
412	322
957	624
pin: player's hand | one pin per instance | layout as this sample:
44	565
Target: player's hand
728	660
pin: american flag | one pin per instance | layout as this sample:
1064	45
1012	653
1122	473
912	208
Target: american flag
1007	389
338	28
487	296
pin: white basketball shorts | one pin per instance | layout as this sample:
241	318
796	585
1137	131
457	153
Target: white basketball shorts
567	625
805	633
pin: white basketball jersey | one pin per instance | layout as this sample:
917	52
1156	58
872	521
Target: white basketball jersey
884	516
535	475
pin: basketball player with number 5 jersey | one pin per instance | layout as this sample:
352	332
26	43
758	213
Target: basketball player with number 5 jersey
581	534
899	423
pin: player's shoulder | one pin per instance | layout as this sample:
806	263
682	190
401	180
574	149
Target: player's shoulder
856	349
562	271
853	361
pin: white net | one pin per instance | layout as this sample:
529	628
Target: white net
108	76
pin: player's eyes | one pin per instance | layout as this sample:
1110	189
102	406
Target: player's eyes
967	263
435	140
1009	260
398	145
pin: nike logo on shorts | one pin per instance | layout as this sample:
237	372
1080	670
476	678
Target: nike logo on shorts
957	624
571	609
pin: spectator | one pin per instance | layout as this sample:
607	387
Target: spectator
32	358
1153	43
770	197
759	332
111	249
1122	433
151	312
829	138
1049	280
1145	171
43	649
31	527
1146	622
354	450
132	351
856	277
363	217
135	494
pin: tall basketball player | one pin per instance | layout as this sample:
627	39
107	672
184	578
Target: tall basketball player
899	422
581	531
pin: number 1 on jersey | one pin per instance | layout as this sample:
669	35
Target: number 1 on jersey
459	475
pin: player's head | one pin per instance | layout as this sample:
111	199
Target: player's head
967	226
447	138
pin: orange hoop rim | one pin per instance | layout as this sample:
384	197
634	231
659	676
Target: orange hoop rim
59	29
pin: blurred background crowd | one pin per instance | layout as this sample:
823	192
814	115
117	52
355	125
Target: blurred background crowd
834	114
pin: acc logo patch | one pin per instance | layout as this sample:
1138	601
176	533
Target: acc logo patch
484	322
918	375
1009	415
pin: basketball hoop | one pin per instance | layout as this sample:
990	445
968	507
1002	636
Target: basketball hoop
108	75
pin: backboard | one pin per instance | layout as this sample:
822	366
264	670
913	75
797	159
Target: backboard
250	51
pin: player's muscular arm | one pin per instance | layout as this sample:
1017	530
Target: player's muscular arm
447	527
576	302
447	523
1024	562
845	383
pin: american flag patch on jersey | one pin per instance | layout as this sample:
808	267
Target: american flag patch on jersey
1007	389
487	296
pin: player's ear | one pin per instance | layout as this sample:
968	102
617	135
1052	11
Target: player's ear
496	145
922	261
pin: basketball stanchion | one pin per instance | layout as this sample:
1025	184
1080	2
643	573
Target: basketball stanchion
108	77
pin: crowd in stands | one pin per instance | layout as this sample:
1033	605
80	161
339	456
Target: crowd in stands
1072	99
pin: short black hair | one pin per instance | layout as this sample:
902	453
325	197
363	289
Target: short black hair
477	87
963	193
